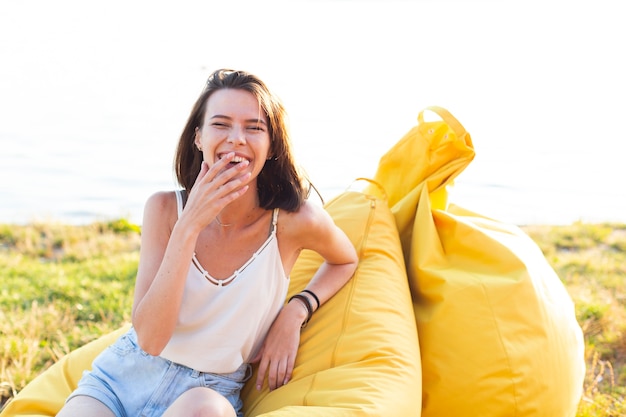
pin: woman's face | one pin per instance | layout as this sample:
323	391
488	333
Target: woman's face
234	122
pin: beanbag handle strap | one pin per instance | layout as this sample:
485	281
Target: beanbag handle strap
447	117
377	184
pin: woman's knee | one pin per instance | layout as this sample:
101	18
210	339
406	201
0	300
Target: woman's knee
201	402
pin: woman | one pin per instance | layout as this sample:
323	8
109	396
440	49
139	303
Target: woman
214	266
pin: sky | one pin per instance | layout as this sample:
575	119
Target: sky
90	88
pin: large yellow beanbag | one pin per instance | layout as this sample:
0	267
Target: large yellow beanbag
358	356
497	330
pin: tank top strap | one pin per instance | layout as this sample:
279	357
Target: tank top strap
179	201
274	219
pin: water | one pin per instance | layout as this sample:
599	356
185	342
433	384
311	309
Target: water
89	116
74	180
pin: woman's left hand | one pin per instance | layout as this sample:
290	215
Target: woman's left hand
278	354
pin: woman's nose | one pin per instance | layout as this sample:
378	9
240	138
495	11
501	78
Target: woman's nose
237	137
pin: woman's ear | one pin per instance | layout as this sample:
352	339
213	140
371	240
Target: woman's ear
196	138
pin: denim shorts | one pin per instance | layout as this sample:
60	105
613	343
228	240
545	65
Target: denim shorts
133	383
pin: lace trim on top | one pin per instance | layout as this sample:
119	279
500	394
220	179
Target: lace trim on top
225	281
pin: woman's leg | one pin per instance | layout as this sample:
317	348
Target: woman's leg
200	402
82	405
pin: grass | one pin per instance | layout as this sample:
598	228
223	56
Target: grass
62	286
591	261
66	285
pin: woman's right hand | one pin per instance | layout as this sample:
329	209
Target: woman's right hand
215	188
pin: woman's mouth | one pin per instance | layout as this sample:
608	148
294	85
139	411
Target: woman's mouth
236	159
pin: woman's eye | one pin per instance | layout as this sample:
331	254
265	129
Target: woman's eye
256	127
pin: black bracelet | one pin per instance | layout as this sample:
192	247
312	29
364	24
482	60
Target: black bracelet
307	304
317	300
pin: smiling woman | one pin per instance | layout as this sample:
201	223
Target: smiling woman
358	355
228	240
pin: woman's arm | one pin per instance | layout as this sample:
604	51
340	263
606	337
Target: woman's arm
311	228
167	247
166	250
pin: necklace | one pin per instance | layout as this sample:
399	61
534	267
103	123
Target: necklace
217	219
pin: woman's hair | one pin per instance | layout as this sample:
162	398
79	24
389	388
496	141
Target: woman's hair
280	183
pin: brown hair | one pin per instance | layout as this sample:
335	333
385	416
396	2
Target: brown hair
280	183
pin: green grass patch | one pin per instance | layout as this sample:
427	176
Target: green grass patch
591	261
62	286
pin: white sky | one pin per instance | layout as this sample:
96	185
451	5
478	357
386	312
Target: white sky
539	85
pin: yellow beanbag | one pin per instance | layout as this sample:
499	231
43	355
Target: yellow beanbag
497	330
358	356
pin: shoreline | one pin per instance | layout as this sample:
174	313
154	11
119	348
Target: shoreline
60	222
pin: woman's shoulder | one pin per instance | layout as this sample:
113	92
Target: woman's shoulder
162	199
161	203
309	218
307	212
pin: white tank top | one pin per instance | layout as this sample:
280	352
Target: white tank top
220	327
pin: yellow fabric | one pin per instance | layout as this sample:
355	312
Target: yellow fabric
358	356
497	330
